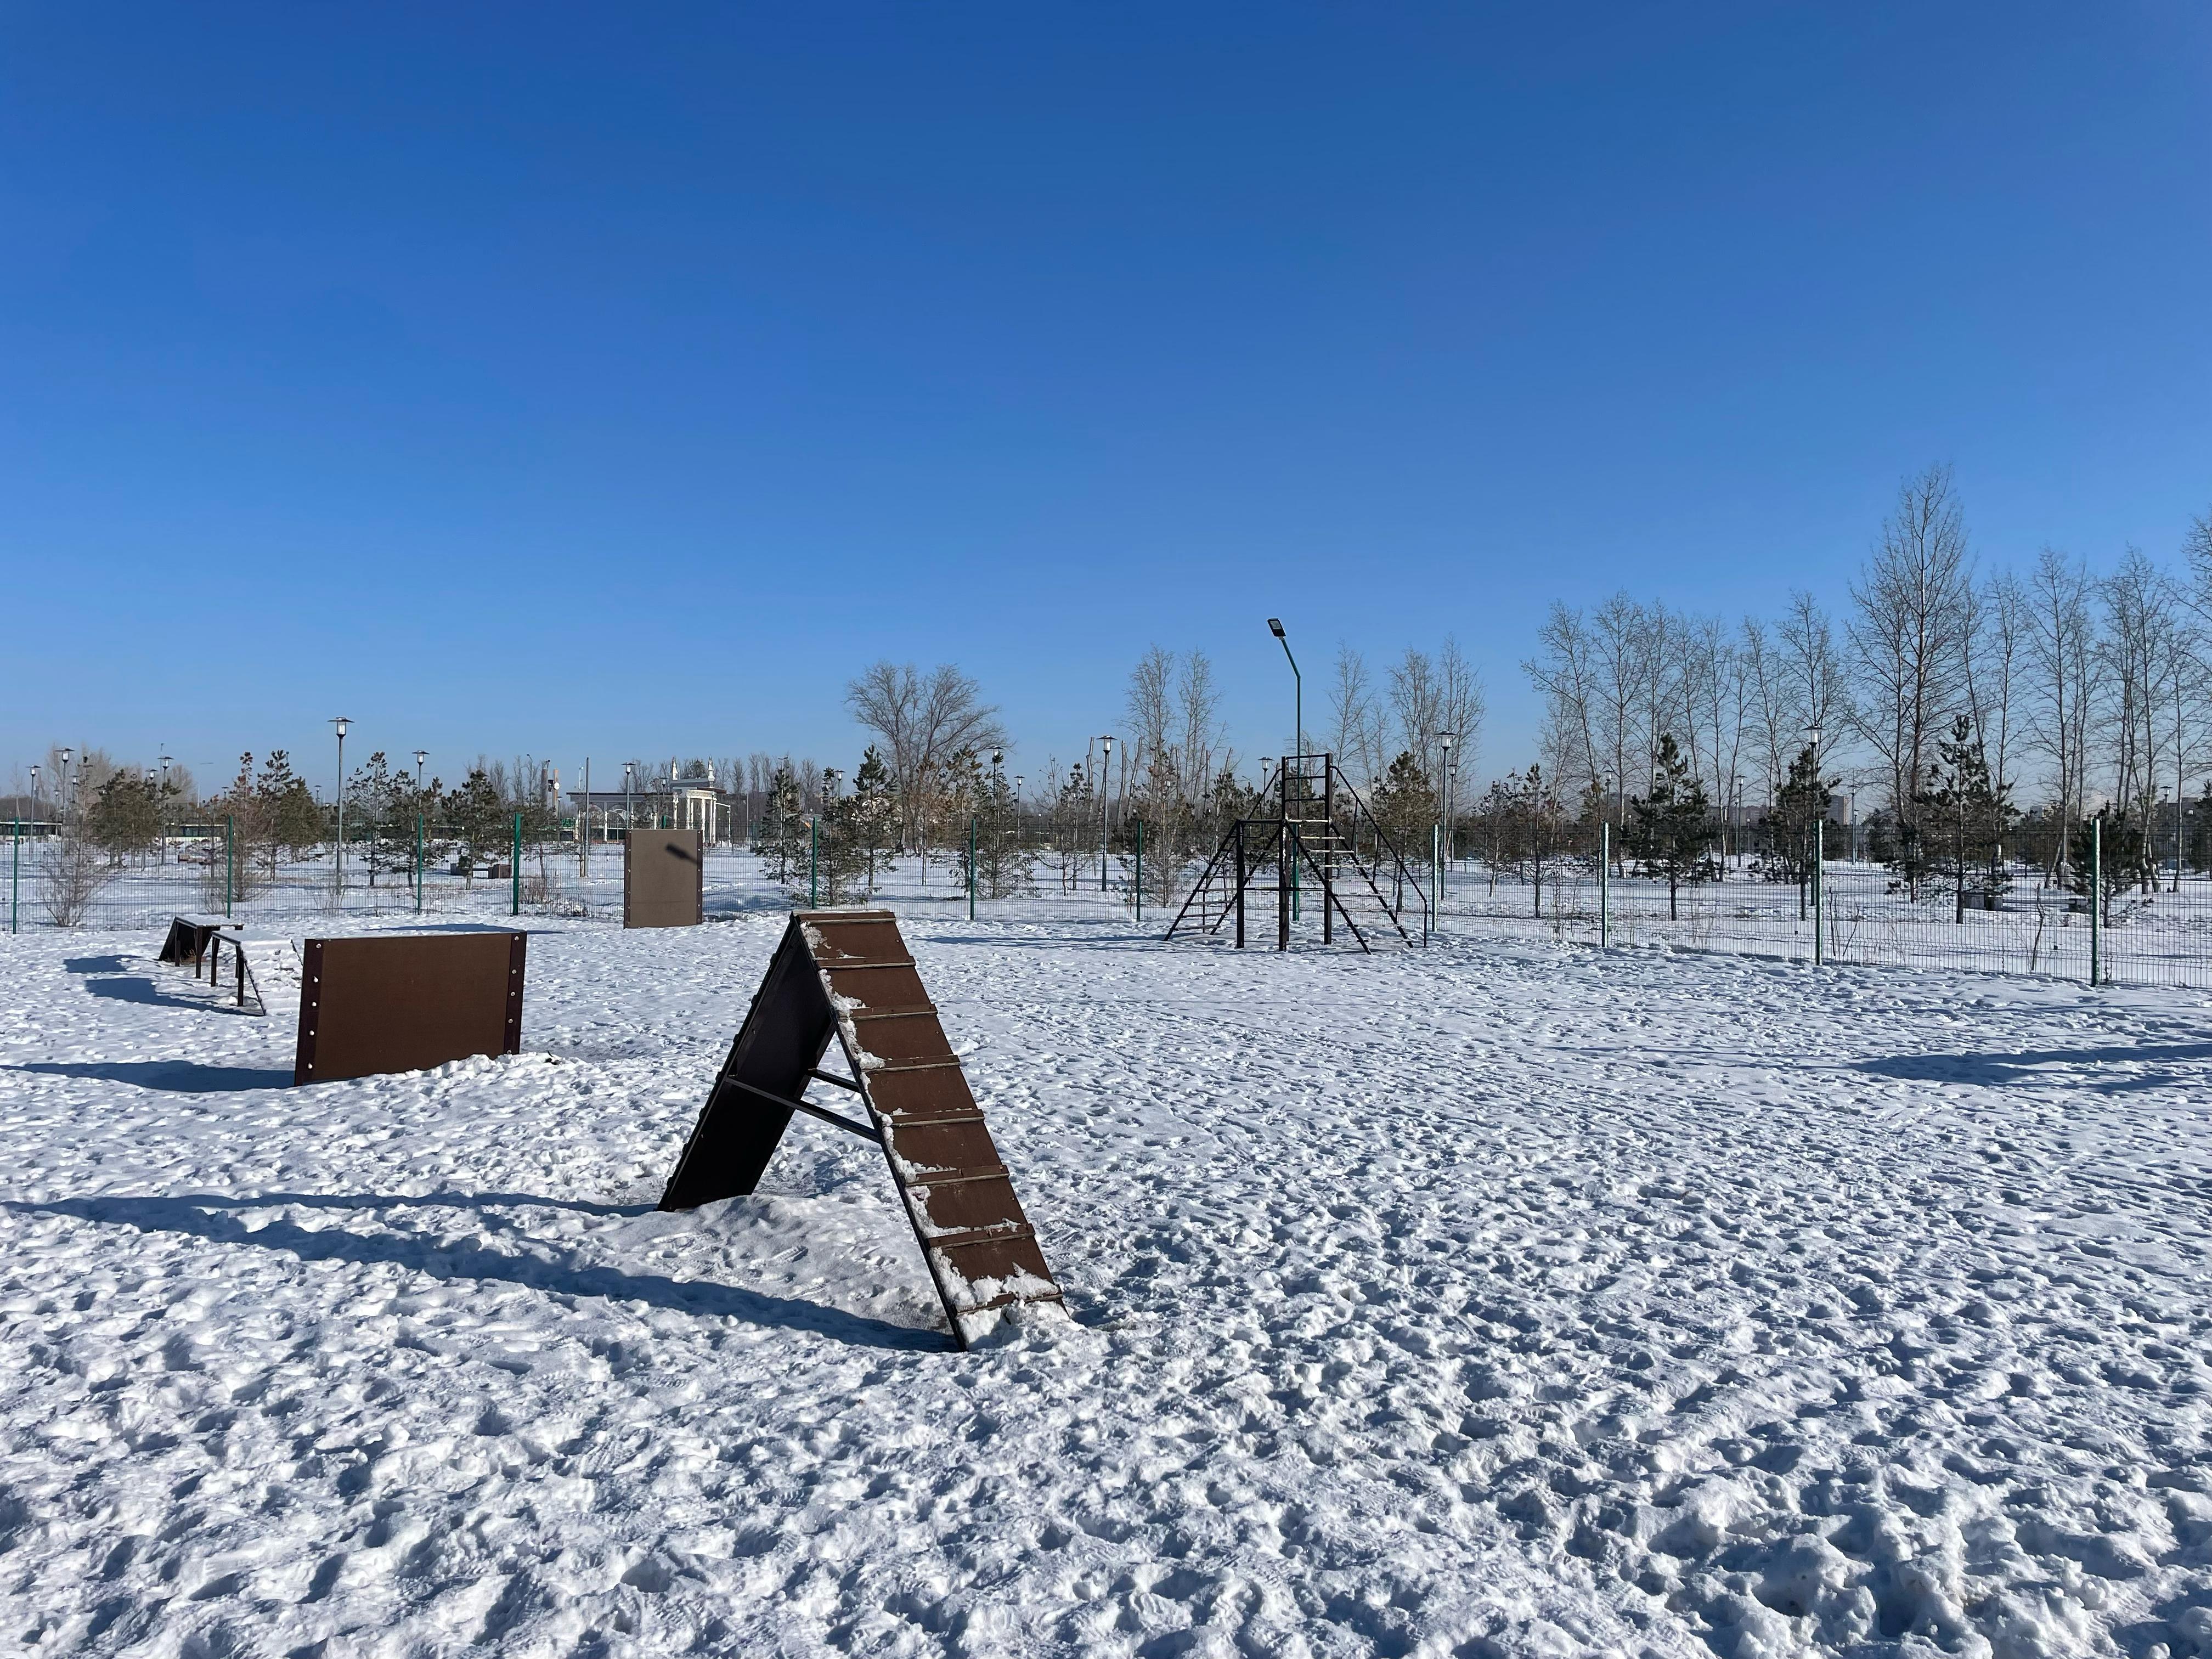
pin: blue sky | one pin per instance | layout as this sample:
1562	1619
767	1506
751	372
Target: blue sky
620	381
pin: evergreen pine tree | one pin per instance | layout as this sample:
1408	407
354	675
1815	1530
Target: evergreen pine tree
781	842
1792	843
1405	804
874	812
289	817
1964	818
477	816
1667	829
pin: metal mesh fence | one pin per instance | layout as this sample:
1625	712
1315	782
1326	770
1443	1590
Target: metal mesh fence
2161	937
2147	938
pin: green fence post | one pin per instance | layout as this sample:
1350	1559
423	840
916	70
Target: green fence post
2096	899
814	864
1605	885
971	869
514	866
229	860
1140	871
418	863
1820	886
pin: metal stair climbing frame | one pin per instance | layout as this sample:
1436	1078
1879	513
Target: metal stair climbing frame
1349	858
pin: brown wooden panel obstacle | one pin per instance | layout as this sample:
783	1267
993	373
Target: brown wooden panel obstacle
846	974
664	879
404	1002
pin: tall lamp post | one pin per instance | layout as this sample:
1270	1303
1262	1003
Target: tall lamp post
1297	691
1105	799
63	787
1450	779
34	794
163	856
342	722
629	811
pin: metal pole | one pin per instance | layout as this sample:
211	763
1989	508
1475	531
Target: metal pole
338	870
229	864
2096	899
1140	871
584	825
1105	798
1819	896
1604	884
418	863
15	880
814	863
1437	870
514	867
971	868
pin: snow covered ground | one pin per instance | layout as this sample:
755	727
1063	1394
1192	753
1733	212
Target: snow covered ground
1500	1299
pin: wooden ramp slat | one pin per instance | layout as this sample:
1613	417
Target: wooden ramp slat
847	977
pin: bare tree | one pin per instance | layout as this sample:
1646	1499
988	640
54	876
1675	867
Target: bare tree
1773	716
1996	644
1356	728
1621	648
1716	672
924	722
1820	694
1461	707
1908	637
1565	672
1417	699
2059	649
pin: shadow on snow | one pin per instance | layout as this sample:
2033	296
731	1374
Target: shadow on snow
218	1218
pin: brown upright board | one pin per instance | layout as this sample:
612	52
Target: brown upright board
403	1002
664	879
848	974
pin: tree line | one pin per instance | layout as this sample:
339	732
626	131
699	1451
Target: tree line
1988	717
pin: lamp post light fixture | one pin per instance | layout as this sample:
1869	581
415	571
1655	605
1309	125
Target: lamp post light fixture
34	793
1105	801
341	723
63	787
629	811
1298	691
421	755
1450	778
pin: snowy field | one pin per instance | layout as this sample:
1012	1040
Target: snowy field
1501	1299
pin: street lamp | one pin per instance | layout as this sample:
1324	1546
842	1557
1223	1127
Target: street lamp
63	787
1105	799
421	755
629	811
341	723
1298	691
34	794
1448	738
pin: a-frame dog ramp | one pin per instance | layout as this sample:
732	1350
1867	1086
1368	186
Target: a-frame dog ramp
848	974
